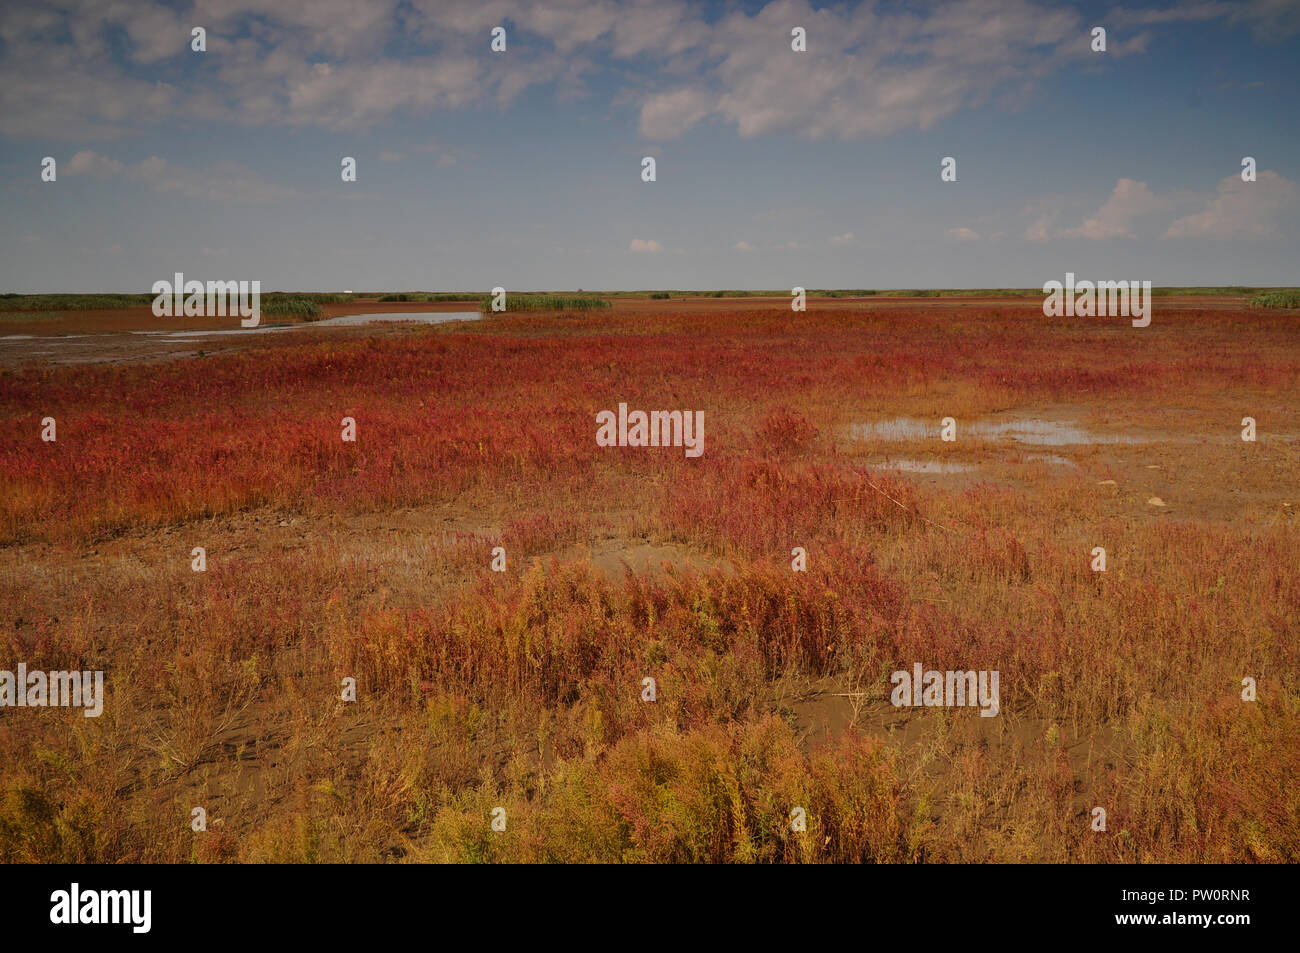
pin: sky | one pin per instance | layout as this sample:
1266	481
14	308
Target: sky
522	168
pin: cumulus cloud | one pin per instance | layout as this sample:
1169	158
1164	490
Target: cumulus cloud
1242	210
962	233
1039	229
324	63
870	69
844	239
667	115
743	246
89	162
1129	200
641	245
1259	209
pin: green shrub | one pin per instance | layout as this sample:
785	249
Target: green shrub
71	302
527	302
1277	299
426	296
277	304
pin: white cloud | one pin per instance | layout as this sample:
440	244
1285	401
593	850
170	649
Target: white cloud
1129	200
1242	210
844	239
93	164
640	245
299	62
870	69
668	115
962	233
156	32
1038	230
743	246
1238	209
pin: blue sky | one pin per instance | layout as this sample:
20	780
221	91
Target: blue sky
522	169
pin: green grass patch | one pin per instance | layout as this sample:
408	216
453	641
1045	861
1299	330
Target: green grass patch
321	297
71	302
277	304
1277	299
533	302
